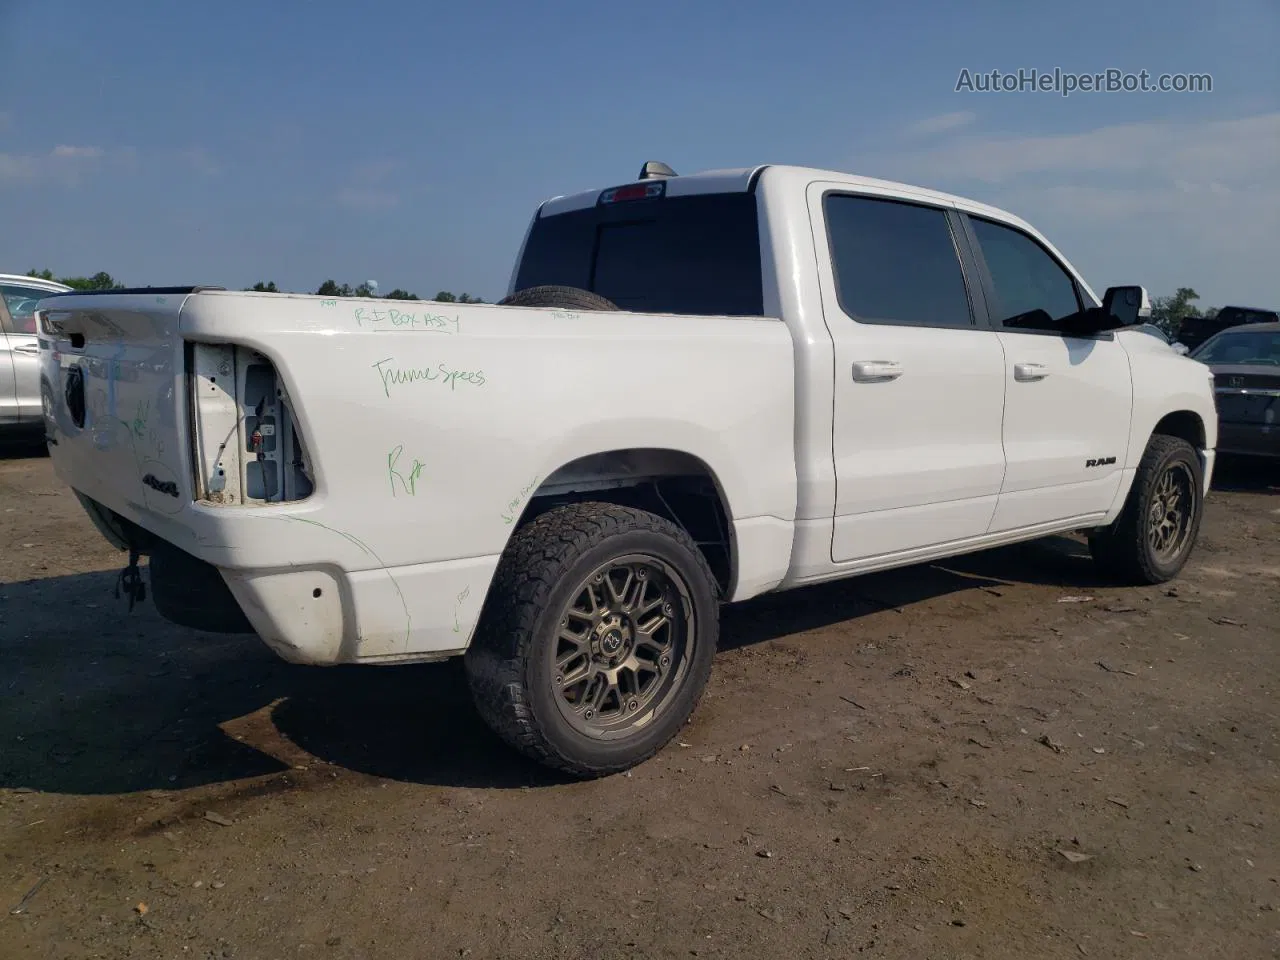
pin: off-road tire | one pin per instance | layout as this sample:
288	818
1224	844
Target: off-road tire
1123	551
509	663
565	298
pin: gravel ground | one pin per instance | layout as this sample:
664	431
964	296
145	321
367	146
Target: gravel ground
997	757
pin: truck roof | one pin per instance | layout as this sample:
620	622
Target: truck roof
743	179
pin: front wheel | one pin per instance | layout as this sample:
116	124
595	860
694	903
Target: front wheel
597	641
1152	538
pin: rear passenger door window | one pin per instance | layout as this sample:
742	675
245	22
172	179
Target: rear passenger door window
1030	289
896	263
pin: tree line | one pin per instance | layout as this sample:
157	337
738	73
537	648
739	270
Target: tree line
330	288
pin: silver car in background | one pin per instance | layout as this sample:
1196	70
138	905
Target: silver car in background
20	405
1245	361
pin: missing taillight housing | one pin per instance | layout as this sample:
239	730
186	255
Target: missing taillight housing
246	444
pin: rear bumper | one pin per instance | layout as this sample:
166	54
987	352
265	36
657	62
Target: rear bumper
323	615
315	594
1256	440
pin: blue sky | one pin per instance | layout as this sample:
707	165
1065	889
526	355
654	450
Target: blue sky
409	143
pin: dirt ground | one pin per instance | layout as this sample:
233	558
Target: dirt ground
995	757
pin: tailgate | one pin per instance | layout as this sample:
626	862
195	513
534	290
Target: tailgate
148	425
111	370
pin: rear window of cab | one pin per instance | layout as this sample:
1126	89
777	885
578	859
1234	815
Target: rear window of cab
695	255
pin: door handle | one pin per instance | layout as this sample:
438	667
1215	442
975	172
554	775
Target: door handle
31	348
876	371
1030	371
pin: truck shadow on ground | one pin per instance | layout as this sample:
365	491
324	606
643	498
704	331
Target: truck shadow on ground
97	700
23	445
1247	475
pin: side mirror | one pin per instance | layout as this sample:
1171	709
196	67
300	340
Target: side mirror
1126	306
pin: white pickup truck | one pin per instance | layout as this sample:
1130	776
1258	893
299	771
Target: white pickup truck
700	389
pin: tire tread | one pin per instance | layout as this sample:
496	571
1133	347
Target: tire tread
1120	550
535	561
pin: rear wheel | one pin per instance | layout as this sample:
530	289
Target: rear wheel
1153	537
597	642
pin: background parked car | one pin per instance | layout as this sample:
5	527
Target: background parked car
1196	330
1245	362
1153	330
20	407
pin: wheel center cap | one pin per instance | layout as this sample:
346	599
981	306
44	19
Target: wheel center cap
611	643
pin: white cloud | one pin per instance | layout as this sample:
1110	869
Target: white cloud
17	166
369	189
64	164
69	164
376	171
367	199
1162	203
1222	150
942	123
200	160
79	153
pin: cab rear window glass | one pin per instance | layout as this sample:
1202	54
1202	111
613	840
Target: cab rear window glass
693	255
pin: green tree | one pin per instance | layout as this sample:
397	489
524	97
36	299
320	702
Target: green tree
99	281
398	294
268	287
330	288
1168	313
444	296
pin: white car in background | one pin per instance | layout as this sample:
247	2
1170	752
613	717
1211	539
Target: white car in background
20	405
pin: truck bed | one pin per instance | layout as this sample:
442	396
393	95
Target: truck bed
353	468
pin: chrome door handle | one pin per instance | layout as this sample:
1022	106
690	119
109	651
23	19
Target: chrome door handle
1027	372
876	371
30	348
